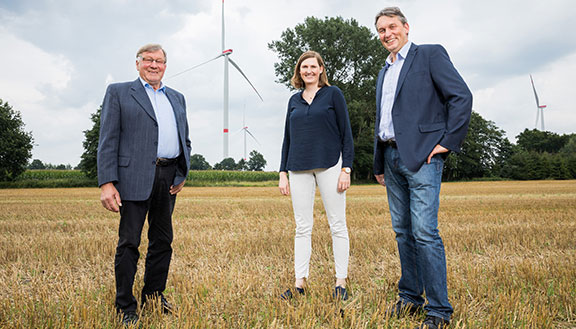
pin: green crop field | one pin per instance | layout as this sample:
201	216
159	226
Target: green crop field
50	178
511	251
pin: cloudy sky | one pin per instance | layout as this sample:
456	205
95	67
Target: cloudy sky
59	55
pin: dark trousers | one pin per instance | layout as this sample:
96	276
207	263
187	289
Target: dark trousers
159	208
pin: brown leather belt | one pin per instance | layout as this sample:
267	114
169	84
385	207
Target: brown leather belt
163	162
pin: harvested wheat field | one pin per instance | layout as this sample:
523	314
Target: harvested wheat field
511	251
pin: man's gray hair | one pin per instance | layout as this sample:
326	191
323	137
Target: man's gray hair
391	12
149	48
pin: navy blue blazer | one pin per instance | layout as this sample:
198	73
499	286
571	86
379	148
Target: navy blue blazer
432	106
128	143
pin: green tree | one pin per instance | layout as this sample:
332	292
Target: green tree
198	162
570	146
559	167
353	56
226	164
256	161
568	152
542	155
532	165
36	164
483	151
15	143
242	165
571	165
88	163
541	141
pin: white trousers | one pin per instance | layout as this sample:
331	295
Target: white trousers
303	190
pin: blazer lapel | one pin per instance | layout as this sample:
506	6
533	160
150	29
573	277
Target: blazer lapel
406	67
179	112
139	94
379	93
173	98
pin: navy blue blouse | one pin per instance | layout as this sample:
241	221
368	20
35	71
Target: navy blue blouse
317	134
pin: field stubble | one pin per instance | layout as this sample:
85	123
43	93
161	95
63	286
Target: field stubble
510	248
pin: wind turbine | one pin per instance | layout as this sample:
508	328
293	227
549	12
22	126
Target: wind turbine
539	108
246	131
225	53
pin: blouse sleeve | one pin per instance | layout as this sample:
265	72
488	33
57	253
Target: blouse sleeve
286	142
343	121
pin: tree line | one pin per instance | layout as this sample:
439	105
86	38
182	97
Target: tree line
37	164
353	57
256	162
88	164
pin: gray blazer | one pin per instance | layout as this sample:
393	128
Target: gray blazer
128	141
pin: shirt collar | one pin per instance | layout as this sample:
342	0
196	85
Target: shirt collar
147	85
401	54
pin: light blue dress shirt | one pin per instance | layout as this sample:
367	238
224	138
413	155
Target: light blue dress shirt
386	128
168	144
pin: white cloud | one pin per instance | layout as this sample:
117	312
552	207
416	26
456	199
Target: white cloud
28	71
63	53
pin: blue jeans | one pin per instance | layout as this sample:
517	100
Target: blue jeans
414	198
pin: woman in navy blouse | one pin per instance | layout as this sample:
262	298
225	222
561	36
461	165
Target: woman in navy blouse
318	150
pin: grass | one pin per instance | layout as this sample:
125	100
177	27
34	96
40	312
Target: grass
510	248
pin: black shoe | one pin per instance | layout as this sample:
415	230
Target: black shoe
129	318
433	322
402	309
340	292
166	307
287	295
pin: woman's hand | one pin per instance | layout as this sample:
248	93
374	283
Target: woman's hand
343	182
283	184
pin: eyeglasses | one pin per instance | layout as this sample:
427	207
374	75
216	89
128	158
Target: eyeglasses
149	61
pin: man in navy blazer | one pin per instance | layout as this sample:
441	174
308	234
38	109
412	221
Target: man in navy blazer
423	110
143	160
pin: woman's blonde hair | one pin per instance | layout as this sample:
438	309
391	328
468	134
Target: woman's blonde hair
297	81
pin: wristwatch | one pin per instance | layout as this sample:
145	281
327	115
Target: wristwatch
347	170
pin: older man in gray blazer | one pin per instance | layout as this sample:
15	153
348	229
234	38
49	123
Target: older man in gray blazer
143	160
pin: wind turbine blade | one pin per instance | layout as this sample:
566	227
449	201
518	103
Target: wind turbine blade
535	94
249	133
245	77
237	131
195	66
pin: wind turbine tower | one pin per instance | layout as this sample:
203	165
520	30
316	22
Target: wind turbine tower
246	131
539	108
226	53
227	60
